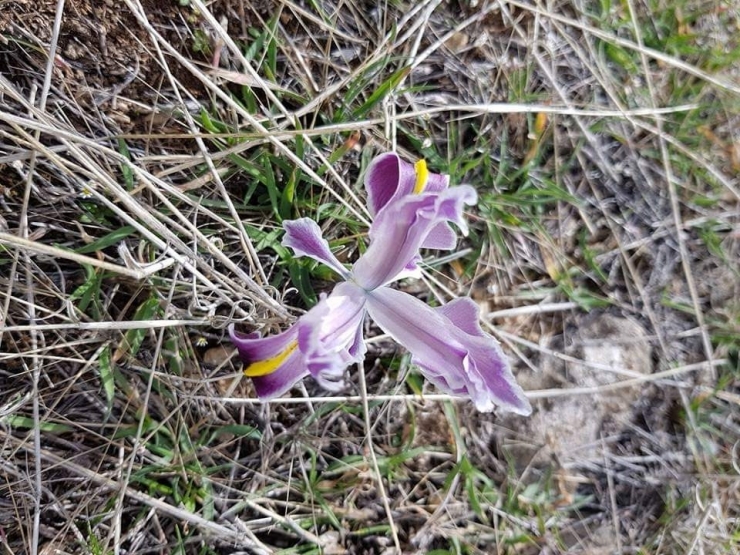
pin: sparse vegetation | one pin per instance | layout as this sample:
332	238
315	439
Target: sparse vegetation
147	165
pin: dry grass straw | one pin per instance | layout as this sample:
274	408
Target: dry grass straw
106	449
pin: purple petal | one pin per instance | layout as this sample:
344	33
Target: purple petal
441	237
304	237
326	340
404	227
389	177
330	335
464	314
450	348
281	350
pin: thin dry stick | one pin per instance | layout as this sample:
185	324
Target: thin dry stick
676	209
119	325
35	360
542	308
533	394
566	358
33	246
699	531
612	496
365	124
374	460
285	521
268	136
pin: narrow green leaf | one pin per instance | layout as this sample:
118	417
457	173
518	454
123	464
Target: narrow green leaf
268	178
128	174
339	152
241	430
301	279
105	368
380	93
207	123
88	293
112	238
134	338
23	422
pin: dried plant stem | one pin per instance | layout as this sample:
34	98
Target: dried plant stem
374	460
675	208
40	248
30	279
657	377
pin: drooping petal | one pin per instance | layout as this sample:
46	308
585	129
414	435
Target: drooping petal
304	237
450	348
274	363
330	335
404	227
389	177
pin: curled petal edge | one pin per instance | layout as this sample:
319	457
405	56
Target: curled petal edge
450	348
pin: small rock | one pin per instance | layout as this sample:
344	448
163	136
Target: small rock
217	356
569	428
457	42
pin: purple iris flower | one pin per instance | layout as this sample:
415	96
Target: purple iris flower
412	209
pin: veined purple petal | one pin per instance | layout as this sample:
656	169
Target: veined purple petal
404	227
389	177
450	348
276	352
330	335
323	342
441	237
304	237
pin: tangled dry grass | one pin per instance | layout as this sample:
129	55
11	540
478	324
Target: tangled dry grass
149	153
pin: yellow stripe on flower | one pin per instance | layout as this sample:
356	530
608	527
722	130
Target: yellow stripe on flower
268	366
422	176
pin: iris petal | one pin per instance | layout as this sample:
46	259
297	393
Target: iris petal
305	238
323	342
403	228
441	237
270	365
330	335
254	349
450	348
389	177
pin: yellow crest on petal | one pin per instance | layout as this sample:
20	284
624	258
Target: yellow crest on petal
268	366
422	176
